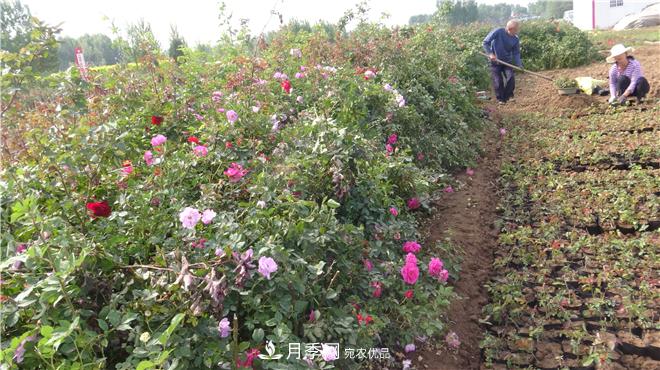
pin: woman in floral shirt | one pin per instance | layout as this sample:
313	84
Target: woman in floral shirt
626	76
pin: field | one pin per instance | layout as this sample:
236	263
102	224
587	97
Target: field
325	190
564	259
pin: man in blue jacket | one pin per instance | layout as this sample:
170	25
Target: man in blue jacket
503	44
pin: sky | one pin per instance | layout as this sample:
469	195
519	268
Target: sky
197	20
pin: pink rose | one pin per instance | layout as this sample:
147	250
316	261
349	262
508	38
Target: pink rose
368	265
435	267
232	116
235	172
200	151
411	247
410	273
392	139
413	203
411	258
158	140
149	158
378	289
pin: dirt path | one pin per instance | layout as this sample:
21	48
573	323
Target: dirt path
467	218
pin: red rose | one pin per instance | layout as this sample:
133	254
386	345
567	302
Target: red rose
99	209
156	120
286	85
409	294
193	139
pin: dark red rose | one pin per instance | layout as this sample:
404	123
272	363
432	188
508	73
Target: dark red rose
99	209
156	120
286	85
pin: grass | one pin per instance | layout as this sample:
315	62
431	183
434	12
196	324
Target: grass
606	38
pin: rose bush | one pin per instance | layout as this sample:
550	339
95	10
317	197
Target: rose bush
181	215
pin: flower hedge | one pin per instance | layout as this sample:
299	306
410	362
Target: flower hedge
182	215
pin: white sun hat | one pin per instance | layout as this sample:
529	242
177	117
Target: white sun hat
616	50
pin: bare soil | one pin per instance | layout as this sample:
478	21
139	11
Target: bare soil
467	218
534	94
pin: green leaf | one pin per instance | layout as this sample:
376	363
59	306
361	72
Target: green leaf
176	320
258	335
46	331
103	324
146	364
114	317
333	203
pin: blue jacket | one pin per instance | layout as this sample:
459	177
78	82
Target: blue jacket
505	46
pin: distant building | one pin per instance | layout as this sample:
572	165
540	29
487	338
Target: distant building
599	14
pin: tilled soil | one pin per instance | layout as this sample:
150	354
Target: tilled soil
466	217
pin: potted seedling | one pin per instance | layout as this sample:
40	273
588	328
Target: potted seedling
566	86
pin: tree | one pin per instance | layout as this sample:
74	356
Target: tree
420	18
65	52
459	12
176	43
16	25
31	57
98	49
550	9
141	41
18	29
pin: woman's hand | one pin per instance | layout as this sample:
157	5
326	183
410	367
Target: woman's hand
612	99
622	99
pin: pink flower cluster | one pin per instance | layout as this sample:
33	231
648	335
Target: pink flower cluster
392	139
267	266
158	140
437	270
452	340
410	271
235	172
378	288
411	247
232	116
413	203
189	217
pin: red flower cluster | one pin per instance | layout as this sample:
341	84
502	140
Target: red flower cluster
250	356
366	319
286	85
156	120
99	209
193	139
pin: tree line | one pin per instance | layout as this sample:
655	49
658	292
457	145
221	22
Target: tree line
18	28
461	12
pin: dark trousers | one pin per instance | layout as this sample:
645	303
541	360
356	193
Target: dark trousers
641	89
503	81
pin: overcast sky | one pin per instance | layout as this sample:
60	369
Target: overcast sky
197	20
